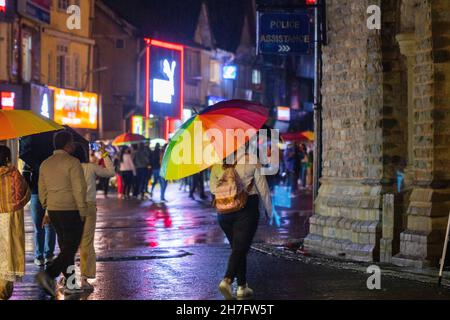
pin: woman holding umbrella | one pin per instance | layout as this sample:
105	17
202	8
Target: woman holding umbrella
14	195
239	222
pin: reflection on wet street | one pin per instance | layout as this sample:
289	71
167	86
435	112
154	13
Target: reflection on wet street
175	250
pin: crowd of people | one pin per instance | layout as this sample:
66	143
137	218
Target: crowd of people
63	192
135	167
296	164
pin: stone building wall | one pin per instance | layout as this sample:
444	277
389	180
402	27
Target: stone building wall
347	210
386	108
422	241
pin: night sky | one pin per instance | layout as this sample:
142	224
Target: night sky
175	20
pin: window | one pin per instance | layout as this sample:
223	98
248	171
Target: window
63	5
120	43
76	71
49	68
68	72
27	62
214	71
193	63
63	66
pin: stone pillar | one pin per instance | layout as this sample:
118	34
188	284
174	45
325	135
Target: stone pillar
388	229
407	44
347	217
429	203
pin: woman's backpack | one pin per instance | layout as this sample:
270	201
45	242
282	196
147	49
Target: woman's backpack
230	194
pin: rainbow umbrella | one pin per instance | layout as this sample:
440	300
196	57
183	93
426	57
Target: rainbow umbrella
128	138
208	137
20	123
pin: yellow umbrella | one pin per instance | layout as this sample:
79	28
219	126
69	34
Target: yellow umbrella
20	123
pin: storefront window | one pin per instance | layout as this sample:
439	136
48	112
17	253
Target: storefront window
26	56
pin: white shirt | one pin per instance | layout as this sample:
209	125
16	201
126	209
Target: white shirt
127	163
247	172
91	172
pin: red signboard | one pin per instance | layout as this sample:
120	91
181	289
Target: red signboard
2	5
7	100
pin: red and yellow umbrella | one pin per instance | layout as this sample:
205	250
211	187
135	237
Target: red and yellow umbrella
298	136
210	136
21	123
128	138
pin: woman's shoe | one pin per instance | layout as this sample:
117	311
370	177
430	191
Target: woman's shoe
225	290
244	292
39	262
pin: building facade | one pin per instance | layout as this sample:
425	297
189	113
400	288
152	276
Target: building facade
116	54
385	116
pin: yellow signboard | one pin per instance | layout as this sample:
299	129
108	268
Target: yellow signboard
75	108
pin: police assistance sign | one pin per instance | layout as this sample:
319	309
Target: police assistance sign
285	33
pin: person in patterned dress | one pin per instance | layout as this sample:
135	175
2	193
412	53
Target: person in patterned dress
14	195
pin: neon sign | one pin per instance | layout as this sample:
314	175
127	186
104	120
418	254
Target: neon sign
8	100
137	125
2	5
284	113
164	90
45	111
75	108
164	74
230	72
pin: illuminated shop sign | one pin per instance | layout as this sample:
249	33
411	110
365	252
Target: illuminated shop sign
284	114
42	101
164	79
230	72
137	125
38	10
7	100
2	5
75	108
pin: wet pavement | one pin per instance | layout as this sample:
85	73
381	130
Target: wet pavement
150	250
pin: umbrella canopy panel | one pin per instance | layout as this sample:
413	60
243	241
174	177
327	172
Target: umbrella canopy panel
20	123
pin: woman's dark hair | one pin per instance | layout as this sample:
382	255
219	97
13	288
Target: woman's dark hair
61	139
122	152
80	153
5	156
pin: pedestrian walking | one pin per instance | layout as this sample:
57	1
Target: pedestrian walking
127	171
104	182
303	160
92	171
237	190
155	163
14	195
62	192
197	182
119	182
291	167
44	236
141	161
